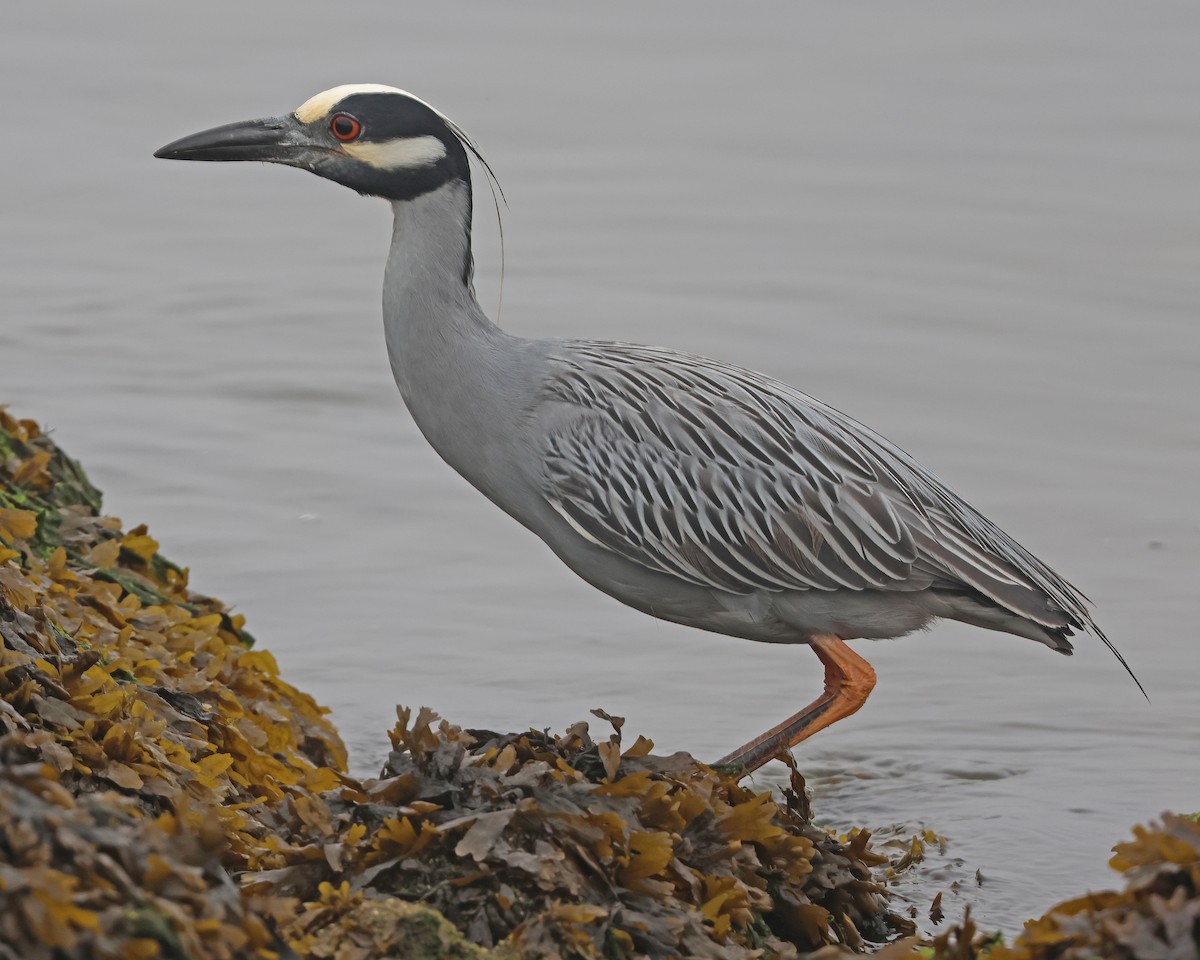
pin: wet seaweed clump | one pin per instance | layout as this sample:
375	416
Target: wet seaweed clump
147	754
164	793
565	846
1155	917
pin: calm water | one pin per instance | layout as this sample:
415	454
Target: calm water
976	229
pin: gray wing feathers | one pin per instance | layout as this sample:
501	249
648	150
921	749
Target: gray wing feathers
725	478
707	522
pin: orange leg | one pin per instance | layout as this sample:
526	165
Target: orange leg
849	680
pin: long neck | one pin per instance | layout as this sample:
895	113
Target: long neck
428	300
446	355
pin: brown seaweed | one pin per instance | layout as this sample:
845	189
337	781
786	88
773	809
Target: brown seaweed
164	793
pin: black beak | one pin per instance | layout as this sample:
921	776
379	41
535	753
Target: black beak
274	139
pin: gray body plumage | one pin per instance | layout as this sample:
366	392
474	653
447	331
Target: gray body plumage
691	489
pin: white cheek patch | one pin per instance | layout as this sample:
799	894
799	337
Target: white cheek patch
314	108
400	154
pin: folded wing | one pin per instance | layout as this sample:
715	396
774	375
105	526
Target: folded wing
726	478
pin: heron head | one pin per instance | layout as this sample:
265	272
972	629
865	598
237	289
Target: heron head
377	140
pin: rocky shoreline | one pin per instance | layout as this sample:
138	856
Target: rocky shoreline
165	793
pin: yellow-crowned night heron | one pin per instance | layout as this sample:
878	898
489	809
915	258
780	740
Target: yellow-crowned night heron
693	490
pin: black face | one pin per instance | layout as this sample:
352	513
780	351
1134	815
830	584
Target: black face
380	143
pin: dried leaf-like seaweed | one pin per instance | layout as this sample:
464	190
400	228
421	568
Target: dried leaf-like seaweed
568	846
164	793
143	760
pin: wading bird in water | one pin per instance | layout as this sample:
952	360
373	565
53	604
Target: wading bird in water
693	490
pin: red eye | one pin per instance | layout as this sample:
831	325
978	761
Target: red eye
345	127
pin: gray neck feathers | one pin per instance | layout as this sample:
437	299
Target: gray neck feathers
445	353
429	305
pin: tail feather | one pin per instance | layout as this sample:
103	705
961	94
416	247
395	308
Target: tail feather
957	601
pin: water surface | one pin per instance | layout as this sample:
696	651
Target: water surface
976	229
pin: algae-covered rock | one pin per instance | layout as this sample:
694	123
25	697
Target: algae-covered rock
164	793
146	753
348	927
